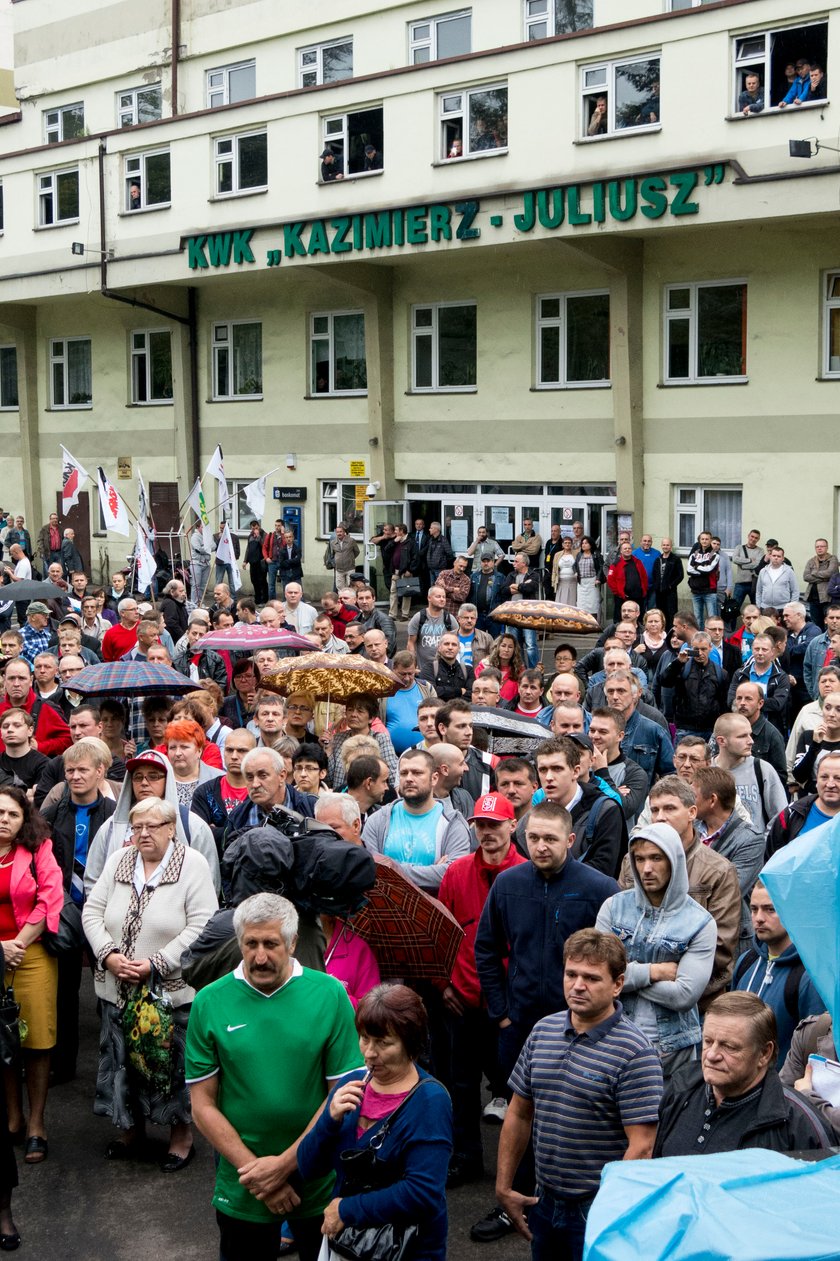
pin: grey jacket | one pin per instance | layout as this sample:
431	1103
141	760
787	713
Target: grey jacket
820	572
745	561
453	840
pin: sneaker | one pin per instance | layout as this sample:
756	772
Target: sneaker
496	1110
494	1226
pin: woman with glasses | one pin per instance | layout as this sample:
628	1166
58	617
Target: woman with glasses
150	903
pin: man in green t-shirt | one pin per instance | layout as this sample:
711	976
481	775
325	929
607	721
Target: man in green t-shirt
264	1046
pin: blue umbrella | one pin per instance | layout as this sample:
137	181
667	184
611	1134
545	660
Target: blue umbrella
130	678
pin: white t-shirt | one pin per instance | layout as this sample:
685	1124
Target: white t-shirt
23	569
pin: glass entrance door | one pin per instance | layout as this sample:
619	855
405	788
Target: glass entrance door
457	520
565	515
378	514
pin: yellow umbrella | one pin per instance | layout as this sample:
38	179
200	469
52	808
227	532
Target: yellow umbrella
331	676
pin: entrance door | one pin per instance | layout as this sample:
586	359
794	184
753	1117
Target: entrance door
457	524
379	513
78	519
565	516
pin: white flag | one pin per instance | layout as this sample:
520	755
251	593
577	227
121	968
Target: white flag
146	566
225	556
199	507
144	512
216	468
73	478
114	511
254	494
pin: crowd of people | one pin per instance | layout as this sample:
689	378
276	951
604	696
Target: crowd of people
625	985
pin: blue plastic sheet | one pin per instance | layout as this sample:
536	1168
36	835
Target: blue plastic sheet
803	879
746	1206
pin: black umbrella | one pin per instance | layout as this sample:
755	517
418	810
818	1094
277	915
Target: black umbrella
30	589
509	733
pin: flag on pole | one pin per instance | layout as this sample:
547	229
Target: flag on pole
254	494
73	478
225	555
216	468
114	510
144	512
146	565
199	507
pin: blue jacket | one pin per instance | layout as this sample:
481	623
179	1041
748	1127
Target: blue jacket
525	922
495	589
247	815
814	658
798	90
418	1147
648	744
768	981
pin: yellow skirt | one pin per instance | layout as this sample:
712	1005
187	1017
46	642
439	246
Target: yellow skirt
35	984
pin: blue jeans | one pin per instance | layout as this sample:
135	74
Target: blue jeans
705	606
224	573
273	568
742	591
558	1227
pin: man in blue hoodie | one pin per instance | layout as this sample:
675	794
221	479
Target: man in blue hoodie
773	970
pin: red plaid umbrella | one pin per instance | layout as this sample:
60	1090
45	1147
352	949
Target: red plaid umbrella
244	638
411	933
130	678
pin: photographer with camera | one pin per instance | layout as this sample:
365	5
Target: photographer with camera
699	687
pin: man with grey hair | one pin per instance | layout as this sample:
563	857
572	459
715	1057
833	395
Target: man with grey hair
266	775
800	633
71	557
121	638
340	812
269	1011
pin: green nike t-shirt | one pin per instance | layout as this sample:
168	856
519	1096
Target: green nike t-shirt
274	1054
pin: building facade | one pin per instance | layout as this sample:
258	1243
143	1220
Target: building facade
546	258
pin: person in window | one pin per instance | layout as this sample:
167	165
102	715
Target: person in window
134	196
598	119
331	168
798	90
751	100
456	149
373	158
818	85
650	111
484	137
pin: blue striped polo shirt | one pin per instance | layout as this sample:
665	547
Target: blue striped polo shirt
585	1087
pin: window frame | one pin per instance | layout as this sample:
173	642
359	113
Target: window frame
342	138
697	510
318	67
43	192
691	314
416	43
829	304
6	406
223	89
136	353
447	118
217	344
608	89
329	337
560	321
141	177
549	18
2	209
60	111
330	499
133	93
234	158
433	331
63	359
742	65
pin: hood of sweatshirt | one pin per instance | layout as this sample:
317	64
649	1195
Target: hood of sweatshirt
667	839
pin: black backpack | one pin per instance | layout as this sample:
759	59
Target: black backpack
330	876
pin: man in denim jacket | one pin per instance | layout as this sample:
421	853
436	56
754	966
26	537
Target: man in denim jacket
670	942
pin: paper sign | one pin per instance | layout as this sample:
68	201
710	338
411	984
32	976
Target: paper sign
361	498
358	468
458	535
459	510
567	514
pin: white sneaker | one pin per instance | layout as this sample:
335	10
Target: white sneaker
496	1110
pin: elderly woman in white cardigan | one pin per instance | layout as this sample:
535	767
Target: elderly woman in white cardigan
150	903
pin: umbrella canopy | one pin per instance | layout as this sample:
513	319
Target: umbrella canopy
329	676
411	933
244	638
130	678
30	589
545	615
508	723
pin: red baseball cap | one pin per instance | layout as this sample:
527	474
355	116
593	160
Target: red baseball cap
148	757
493	806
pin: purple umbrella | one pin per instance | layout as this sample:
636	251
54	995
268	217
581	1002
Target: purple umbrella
130	678
244	638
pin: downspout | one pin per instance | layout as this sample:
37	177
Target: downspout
176	42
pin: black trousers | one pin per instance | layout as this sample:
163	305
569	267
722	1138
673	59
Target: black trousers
474	1044
66	1049
259	1241
511	1041
259	582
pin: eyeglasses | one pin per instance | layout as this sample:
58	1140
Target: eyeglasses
299	709
138	829
150	777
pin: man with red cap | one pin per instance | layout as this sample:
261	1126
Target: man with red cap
464	889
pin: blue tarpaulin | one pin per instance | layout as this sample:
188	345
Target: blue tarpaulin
748	1206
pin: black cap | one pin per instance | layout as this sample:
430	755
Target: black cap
580	738
328	153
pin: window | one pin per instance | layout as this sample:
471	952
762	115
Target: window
774	56
714	508
340	506
447	36
706	332
238	513
241	163
58	197
237	360
64	123
444	344
618	95
473	121
230	84
325	63
151	367
573	339
338	353
674	5
557	17
70	377
139	105
8	377
147	182
347	135
2	209
831	326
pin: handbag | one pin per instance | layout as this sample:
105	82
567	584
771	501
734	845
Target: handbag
12	1028
408	586
69	936
147	1026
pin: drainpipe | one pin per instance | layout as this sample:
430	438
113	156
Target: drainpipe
176	41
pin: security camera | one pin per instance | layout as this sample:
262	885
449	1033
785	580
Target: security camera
371	489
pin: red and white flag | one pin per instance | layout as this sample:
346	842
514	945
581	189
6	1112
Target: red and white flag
114	512
73	478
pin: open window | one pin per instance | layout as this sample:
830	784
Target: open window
782	59
347	136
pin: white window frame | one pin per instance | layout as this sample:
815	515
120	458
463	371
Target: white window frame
560	321
47	186
417	43
141	360
218	343
127	114
330	497
54	132
218	93
447	117
329	337
58	355
340	135
697	510
137	175
2	210
830	302
741	64
547	16
317	67
604	85
432	331
5	405
222	157
691	314
676	6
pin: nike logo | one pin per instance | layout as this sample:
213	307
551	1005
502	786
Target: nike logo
231	1028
